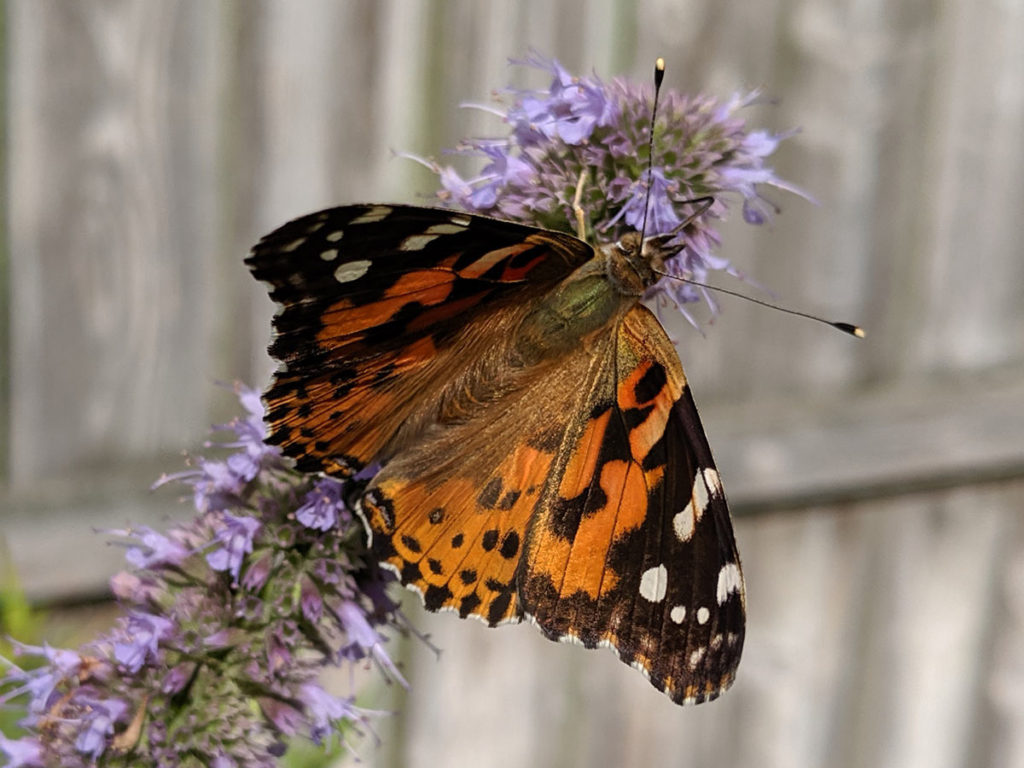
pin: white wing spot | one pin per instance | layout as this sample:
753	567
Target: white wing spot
700	495
696	656
654	583
329	255
374	214
335	236
416	242
460	221
678	614
686	521
703	614
292	245
683	523
444	229
352	270
713	481
729	580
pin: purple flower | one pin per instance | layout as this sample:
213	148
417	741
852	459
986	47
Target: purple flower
583	125
323	506
100	718
569	110
235	536
323	709
153	548
141	633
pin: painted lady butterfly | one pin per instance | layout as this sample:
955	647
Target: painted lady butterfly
542	456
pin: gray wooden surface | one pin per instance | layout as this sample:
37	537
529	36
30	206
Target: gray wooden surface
880	484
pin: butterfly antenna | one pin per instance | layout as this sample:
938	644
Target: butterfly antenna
850	328
659	75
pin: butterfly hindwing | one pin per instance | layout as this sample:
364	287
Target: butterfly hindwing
376	302
450	514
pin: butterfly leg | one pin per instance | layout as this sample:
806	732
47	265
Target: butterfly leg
581	222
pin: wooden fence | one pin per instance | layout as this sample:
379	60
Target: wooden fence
879	484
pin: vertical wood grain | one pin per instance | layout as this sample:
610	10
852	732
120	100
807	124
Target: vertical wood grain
112	207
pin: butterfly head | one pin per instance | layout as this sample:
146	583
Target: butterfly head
634	264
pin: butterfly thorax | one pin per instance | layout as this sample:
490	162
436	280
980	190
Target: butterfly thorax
591	299
586	302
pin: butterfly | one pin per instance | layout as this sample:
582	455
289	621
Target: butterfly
541	456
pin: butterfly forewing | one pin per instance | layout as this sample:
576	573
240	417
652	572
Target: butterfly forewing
375	305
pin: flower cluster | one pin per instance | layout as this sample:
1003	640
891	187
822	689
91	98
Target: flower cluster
227	622
582	127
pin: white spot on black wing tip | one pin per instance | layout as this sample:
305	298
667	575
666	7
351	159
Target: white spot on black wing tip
730	580
372	215
683	523
705	485
444	229
712	481
654	584
703	614
352	270
335	236
417	242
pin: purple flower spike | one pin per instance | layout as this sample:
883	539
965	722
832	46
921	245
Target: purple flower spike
224	668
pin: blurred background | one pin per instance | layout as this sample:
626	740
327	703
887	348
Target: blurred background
878	484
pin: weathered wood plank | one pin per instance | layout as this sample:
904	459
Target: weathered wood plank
112	158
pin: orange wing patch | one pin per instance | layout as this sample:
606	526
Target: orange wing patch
346	321
455	541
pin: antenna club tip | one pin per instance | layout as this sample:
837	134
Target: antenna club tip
659	71
659	64
850	328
